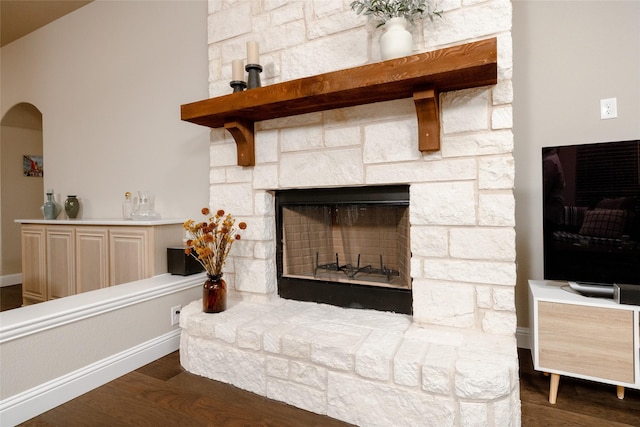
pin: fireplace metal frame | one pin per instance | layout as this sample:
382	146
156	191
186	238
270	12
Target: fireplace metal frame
340	293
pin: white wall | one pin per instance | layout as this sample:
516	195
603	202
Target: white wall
109	80
20	196
567	56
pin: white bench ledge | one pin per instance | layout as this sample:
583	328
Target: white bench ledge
34	318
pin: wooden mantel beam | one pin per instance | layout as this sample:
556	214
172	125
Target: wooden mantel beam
422	76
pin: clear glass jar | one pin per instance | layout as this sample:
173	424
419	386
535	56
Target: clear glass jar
145	210
127	206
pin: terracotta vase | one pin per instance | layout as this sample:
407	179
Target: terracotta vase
214	294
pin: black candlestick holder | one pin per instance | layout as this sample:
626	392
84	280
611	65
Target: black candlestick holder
238	85
254	71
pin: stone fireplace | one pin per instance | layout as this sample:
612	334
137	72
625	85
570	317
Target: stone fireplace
451	359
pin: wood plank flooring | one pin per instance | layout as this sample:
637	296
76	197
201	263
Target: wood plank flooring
163	394
580	403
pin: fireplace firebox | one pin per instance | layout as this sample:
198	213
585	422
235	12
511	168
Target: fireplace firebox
347	247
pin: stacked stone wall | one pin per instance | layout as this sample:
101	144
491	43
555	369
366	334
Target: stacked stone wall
461	198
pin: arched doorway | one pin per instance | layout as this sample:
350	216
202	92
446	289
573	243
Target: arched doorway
21	195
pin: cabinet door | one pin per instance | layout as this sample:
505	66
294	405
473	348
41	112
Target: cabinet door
34	267
585	340
92	258
60	262
130	254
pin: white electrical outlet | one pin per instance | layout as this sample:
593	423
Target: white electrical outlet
175	315
608	108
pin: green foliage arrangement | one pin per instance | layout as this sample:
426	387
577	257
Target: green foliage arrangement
383	10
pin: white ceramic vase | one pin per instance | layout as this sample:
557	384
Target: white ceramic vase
396	40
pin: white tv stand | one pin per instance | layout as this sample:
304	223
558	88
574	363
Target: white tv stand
583	337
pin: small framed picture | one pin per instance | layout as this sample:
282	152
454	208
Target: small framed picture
32	165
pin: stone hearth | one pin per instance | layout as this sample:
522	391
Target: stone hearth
454	361
364	367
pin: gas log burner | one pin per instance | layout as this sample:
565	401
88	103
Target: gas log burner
347	247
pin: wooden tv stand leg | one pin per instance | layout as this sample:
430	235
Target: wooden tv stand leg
553	388
555	381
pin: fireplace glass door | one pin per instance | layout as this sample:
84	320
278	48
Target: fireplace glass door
348	247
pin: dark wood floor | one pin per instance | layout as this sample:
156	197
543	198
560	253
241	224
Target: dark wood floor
580	403
163	394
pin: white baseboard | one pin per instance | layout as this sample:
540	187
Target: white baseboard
10	279
523	338
26	405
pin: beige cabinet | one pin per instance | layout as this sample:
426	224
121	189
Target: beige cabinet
130	254
63	260
34	263
584	337
594	342
92	258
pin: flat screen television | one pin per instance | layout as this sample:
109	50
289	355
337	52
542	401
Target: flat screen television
591	212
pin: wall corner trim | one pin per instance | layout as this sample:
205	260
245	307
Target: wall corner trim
523	337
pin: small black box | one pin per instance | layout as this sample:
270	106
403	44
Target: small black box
182	264
626	294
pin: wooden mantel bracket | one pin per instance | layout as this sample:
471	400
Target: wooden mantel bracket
243	133
428	112
422	76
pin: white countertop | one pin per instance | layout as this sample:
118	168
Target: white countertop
97	221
